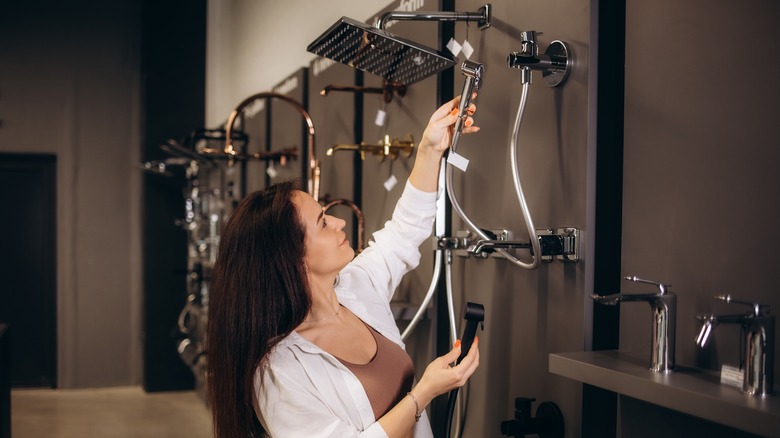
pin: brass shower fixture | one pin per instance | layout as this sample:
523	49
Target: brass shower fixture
383	148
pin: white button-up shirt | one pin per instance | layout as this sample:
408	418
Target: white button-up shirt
304	391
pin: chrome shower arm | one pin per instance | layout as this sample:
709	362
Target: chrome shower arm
482	16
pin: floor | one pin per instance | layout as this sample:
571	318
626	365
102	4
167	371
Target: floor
108	413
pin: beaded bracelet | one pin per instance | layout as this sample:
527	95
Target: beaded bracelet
417	413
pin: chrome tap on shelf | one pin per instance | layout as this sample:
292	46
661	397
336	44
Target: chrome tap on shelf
758	334
664	307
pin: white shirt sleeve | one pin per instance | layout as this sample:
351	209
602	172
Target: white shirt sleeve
395	249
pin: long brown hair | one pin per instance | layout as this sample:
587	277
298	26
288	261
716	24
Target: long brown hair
259	294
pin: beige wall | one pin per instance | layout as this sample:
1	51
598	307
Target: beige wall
76	94
254	45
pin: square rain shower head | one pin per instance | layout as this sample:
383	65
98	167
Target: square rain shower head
379	52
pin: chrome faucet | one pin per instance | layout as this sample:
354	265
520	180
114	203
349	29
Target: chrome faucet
758	334
553	63
664	307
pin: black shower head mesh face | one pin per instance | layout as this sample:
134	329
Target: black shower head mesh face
379	52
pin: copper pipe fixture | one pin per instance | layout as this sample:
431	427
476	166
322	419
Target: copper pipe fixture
386	90
313	176
279	156
358	214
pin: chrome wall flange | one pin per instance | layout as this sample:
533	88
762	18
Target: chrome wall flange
558	51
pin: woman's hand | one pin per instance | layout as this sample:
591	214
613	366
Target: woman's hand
435	141
438	133
440	377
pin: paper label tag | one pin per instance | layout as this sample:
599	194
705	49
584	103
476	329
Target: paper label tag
271	171
453	46
731	376
379	120
390	183
467	49
458	161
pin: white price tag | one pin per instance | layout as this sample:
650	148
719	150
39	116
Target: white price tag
271	171
390	183
458	161
731	376
453	46
379	120
467	49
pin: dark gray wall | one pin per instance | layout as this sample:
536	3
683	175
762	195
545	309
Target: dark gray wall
70	85
700	180
529	313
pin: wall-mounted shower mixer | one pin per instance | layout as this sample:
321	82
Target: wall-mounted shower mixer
548	422
554	63
382	149
562	244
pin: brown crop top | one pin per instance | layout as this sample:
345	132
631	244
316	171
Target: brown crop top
387	377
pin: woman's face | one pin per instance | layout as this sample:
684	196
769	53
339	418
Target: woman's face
327	247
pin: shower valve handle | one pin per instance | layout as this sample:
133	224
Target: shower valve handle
474	316
758	308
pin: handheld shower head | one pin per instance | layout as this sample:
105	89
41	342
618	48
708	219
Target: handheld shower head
379	52
473	72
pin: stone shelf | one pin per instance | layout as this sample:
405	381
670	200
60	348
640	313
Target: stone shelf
689	390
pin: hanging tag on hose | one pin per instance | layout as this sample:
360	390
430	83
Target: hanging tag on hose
458	161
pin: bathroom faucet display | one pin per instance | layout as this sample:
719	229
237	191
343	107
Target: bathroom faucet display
664	307
543	245
758	337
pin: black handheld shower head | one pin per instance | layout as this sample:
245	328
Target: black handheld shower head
379	52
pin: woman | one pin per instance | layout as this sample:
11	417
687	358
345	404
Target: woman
301	340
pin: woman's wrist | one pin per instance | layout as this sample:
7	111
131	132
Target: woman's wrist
425	173
421	395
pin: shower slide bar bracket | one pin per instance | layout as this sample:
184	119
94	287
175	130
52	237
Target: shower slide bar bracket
562	244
